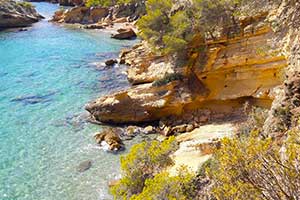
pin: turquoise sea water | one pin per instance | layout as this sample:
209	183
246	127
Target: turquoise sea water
47	74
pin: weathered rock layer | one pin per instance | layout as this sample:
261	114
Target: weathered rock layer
236	70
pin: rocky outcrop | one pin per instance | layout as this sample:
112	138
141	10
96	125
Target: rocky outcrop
124	34
141	103
111	137
17	14
197	146
237	70
90	15
81	14
144	66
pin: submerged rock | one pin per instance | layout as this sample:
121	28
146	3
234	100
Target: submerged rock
17	14
34	99
84	166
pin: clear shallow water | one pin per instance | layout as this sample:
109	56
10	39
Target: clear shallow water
47	74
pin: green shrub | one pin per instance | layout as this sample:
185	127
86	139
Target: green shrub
25	4
143	162
90	3
254	168
166	31
255	121
167	79
165	187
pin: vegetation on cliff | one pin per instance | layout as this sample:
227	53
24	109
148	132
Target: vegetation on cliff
144	161
246	166
251	165
255	168
90	3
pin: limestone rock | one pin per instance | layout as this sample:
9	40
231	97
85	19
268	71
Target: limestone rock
142	103
237	70
145	67
17	14
124	34
81	15
111	138
149	130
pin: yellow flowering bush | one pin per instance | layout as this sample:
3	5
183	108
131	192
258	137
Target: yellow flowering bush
253	168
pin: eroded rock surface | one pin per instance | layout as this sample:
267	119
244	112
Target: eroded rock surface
197	146
240	69
141	103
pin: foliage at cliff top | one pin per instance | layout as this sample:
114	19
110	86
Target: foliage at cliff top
25	4
90	3
142	163
170	25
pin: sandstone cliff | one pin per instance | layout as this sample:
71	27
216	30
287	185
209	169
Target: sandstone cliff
17	14
244	68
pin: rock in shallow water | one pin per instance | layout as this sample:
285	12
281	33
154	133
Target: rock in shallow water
111	137
111	62
83	166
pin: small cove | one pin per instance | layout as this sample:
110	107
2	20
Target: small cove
47	74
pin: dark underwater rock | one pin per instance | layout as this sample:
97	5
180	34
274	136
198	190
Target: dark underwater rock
84	166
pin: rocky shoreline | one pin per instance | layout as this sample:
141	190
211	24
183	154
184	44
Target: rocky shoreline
17	14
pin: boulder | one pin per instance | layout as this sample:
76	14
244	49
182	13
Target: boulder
124	34
93	26
111	62
149	130
17	14
111	137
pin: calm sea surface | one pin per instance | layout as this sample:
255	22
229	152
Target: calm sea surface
47	74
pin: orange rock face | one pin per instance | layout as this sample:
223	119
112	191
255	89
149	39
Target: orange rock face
235	70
